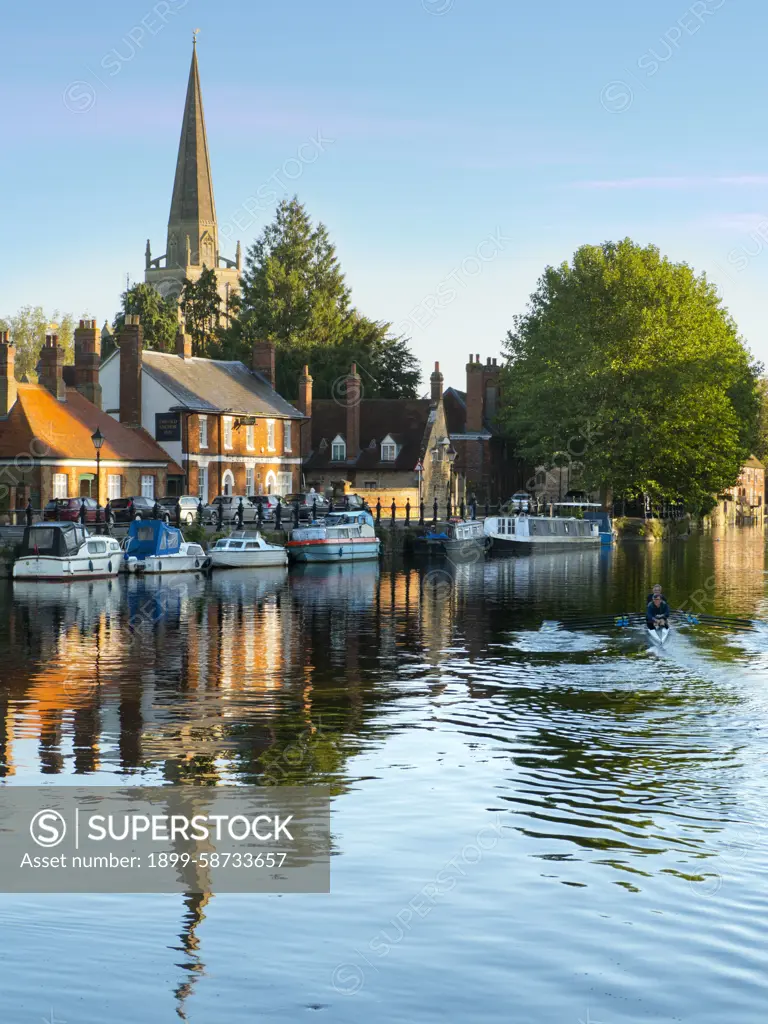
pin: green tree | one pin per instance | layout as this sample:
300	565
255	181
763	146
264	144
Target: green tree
760	447
293	292
159	317
201	309
29	327
630	363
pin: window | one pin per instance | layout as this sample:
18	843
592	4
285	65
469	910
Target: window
271	435
388	452
228	483
147	487
203	428
287	435
271	482
370	485
227	431
249	479
202	483
284	483
338	449
114	486
60	485
250	444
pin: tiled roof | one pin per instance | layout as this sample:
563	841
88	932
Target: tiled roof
63	430
407	420
455	405
215	386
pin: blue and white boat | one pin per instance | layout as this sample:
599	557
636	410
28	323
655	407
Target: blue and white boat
340	537
153	546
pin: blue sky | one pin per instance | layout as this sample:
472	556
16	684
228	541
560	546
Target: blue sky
465	145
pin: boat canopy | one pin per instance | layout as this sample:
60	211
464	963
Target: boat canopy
57	540
148	537
348	518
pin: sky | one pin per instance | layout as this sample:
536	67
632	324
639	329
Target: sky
453	148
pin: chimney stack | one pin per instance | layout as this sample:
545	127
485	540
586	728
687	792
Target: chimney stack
183	344
352	400
436	385
8	389
263	360
87	360
131	345
304	405
474	421
51	374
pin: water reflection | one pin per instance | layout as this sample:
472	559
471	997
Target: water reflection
614	766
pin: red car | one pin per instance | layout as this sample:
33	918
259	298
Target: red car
67	510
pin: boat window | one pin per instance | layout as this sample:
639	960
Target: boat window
96	547
145	533
252	545
236	544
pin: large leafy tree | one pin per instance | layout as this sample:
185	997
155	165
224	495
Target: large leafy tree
159	317
293	293
29	327
630	363
201	309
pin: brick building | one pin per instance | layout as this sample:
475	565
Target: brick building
374	445
222	422
485	463
46	449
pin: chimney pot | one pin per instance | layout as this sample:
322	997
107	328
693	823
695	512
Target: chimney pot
87	361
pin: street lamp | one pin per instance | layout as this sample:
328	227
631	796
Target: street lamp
98	440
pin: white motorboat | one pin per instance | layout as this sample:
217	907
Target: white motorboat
523	533
153	546
245	549
65	551
341	537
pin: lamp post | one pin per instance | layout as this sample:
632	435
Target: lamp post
98	440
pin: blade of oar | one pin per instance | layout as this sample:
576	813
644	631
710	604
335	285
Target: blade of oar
730	619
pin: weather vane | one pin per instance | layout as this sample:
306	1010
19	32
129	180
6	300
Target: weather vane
194	36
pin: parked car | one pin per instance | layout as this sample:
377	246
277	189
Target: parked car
269	503
225	507
309	502
188	507
125	510
350	503
67	510
521	501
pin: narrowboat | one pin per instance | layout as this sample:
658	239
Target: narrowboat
539	533
245	549
65	551
153	546
340	537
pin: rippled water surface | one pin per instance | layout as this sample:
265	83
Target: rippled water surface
529	823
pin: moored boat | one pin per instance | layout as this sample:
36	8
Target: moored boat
245	549
341	537
65	551
153	546
539	533
462	540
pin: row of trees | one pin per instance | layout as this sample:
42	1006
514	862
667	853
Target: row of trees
29	327
630	364
293	293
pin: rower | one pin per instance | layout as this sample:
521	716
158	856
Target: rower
656	590
657	613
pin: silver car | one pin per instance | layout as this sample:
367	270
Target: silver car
225	508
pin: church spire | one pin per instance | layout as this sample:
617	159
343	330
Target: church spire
193	212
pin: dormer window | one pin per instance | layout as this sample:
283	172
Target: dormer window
388	450
338	449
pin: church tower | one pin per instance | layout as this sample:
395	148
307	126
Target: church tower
193	234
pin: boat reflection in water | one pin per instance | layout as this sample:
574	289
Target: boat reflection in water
352	585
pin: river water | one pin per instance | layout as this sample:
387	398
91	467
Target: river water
586	815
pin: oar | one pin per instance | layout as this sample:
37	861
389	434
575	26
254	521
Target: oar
731	620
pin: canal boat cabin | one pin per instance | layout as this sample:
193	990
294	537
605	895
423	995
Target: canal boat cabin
153	546
245	549
539	533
